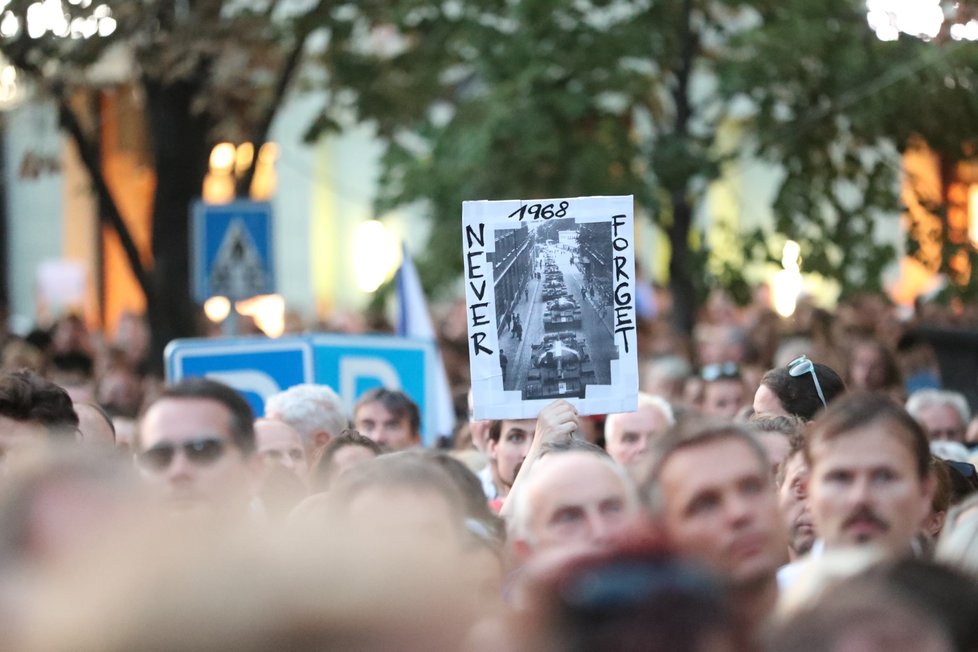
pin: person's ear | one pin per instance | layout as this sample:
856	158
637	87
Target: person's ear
928	487
934	523
521	548
491	448
321	438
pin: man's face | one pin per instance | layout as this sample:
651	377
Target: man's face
720	507
577	501
942	422
724	398
373	420
276	442
629	435
864	488
867	370
793	500
214	476
767	402
508	453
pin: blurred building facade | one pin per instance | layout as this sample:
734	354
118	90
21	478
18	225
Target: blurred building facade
59	259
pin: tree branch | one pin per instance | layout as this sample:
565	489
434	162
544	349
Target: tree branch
108	209
289	68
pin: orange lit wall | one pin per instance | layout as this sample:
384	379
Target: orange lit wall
130	177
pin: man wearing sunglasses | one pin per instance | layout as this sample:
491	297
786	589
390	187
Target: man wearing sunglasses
724	394
195	447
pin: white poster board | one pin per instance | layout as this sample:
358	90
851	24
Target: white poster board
550	294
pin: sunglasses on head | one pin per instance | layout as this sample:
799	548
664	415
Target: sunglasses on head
801	366
200	451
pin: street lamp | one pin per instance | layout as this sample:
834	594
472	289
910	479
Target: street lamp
376	255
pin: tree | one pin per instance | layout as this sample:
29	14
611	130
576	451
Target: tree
835	106
496	99
206	70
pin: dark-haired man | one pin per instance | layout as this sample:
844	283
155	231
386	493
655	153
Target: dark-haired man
870	474
32	410
389	417
508	445
195	447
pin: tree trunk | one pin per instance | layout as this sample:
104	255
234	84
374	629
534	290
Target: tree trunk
181	147
684	301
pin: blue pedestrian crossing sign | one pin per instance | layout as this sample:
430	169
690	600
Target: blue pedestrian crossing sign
232	250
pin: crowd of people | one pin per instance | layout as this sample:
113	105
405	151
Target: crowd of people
812	490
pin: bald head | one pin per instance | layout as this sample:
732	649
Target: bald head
573	499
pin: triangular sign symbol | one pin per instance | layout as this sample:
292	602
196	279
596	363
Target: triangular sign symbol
238	271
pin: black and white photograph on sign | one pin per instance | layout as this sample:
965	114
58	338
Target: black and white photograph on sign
560	302
554	328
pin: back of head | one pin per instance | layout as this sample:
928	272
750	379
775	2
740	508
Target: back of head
470	488
799	394
252	594
640	597
326	469
370	494
61	500
944	593
787	425
310	409
862	613
26	397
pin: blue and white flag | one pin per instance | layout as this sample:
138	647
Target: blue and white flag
413	320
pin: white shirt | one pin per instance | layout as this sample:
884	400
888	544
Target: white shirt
488	485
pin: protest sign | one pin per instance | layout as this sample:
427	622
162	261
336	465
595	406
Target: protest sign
550	292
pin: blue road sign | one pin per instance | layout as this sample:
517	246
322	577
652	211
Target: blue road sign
255	366
232	250
354	364
350	364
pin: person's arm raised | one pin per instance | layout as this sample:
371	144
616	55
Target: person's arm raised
556	422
